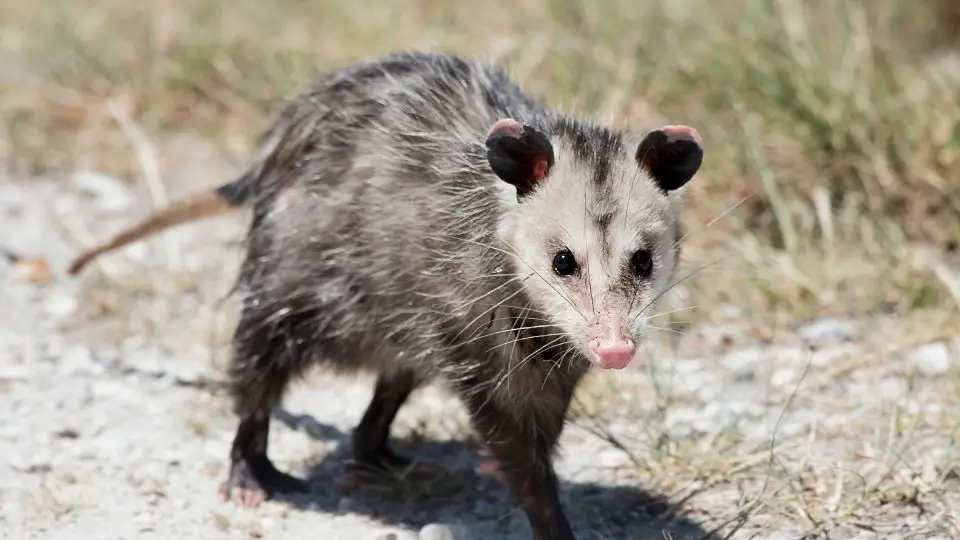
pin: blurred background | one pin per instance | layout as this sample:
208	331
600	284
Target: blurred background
832	126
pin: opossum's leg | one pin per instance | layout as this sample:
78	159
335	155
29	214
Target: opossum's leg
370	439
264	361
521	435
371	448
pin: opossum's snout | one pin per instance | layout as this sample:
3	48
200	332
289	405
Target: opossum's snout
612	352
611	344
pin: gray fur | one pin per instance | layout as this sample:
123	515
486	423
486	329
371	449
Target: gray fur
381	241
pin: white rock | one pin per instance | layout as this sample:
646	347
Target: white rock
12	197
149	361
440	531
60	305
610	458
15	373
888	388
784	377
743	362
78	360
828	330
186	373
144	517
932	359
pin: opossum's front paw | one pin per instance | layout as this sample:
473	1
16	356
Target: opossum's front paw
251	482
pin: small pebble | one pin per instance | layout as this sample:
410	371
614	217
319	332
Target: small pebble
828	330
12	196
60	305
15	373
78	360
440	531
932	359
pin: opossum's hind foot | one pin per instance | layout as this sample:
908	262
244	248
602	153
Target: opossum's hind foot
253	477
253	481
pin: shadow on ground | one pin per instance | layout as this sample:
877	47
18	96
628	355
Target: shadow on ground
480	503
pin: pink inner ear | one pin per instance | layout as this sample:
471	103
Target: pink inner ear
540	168
507	125
681	132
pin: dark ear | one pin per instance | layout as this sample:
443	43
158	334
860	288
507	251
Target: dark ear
671	155
519	154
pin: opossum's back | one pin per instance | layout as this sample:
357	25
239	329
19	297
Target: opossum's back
421	84
388	201
390	155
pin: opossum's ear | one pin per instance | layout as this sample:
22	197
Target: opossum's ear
671	155
519	154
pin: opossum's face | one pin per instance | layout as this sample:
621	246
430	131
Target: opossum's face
594	232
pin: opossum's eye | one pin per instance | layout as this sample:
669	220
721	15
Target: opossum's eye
642	263
519	154
564	263
671	154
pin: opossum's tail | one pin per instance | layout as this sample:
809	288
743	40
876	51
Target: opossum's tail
205	204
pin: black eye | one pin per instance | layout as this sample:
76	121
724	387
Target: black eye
642	263
564	264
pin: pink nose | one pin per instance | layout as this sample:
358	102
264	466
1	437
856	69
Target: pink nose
612	354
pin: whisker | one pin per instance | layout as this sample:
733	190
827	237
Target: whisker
671	312
525	339
671	330
526	359
488	310
527	308
511	317
554	365
472	301
488	334
679	281
717	218
515	341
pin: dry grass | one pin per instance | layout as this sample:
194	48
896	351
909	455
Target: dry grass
833	443
831	182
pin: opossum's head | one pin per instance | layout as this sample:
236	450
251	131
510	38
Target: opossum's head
594	225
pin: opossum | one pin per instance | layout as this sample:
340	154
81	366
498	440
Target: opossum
420	217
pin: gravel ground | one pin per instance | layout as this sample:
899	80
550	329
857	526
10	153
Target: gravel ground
113	423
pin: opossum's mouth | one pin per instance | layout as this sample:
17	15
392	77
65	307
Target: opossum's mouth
611	353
